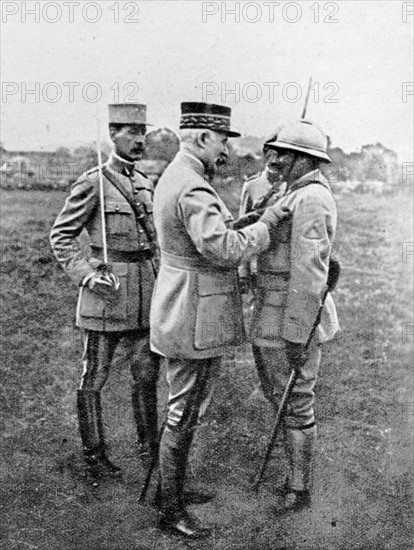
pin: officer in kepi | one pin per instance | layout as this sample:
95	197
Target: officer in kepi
114	298
291	277
196	311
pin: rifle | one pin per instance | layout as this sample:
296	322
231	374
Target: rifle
333	277
153	464
305	107
261	204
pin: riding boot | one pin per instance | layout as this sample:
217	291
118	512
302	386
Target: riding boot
300	445
173	516
144	406
92	436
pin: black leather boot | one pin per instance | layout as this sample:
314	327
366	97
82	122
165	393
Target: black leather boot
92	436
300	446
173	516
144	406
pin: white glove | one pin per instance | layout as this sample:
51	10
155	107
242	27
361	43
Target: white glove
105	285
274	214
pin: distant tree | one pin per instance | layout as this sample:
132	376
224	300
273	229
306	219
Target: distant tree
378	162
162	144
374	163
63	153
85	157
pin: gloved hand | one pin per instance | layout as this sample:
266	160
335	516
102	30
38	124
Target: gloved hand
246	220
103	284
296	354
274	214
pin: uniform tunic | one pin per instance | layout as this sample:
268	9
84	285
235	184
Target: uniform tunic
291	277
293	272
196	309
129	247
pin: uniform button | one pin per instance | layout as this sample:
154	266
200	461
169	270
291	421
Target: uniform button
138	203
140	231
117	208
135	191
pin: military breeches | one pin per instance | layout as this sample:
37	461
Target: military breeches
99	349
274	372
191	384
190	389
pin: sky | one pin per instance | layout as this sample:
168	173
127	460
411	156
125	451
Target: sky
77	56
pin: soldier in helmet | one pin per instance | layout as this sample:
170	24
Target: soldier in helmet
196	311
291	276
113	303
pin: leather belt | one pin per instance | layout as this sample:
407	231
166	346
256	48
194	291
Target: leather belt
191	263
127	257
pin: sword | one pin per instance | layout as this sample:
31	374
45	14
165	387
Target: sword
101	188
104	267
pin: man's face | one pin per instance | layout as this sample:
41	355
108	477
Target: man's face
279	163
129	141
216	152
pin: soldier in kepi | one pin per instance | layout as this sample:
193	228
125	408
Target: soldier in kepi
114	299
196	312
291	276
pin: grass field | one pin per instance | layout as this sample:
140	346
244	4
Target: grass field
365	408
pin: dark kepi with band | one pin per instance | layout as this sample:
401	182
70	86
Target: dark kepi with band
128	113
206	115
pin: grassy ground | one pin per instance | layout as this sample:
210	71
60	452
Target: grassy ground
365	409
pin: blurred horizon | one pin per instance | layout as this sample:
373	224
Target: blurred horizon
359	54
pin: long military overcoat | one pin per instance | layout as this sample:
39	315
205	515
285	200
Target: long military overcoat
293	273
196	310
126	238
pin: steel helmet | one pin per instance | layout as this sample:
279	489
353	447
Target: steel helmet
304	136
270	139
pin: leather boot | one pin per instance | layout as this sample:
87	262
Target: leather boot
92	436
144	406
300	446
173	516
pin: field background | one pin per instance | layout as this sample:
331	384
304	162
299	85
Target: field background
365	408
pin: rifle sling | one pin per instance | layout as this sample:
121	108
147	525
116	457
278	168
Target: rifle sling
264	200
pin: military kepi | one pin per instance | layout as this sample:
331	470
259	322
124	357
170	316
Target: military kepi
128	113
207	115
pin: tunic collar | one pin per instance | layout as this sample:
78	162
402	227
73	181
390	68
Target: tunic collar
193	162
313	176
120	165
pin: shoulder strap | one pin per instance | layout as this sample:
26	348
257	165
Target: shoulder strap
305	184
